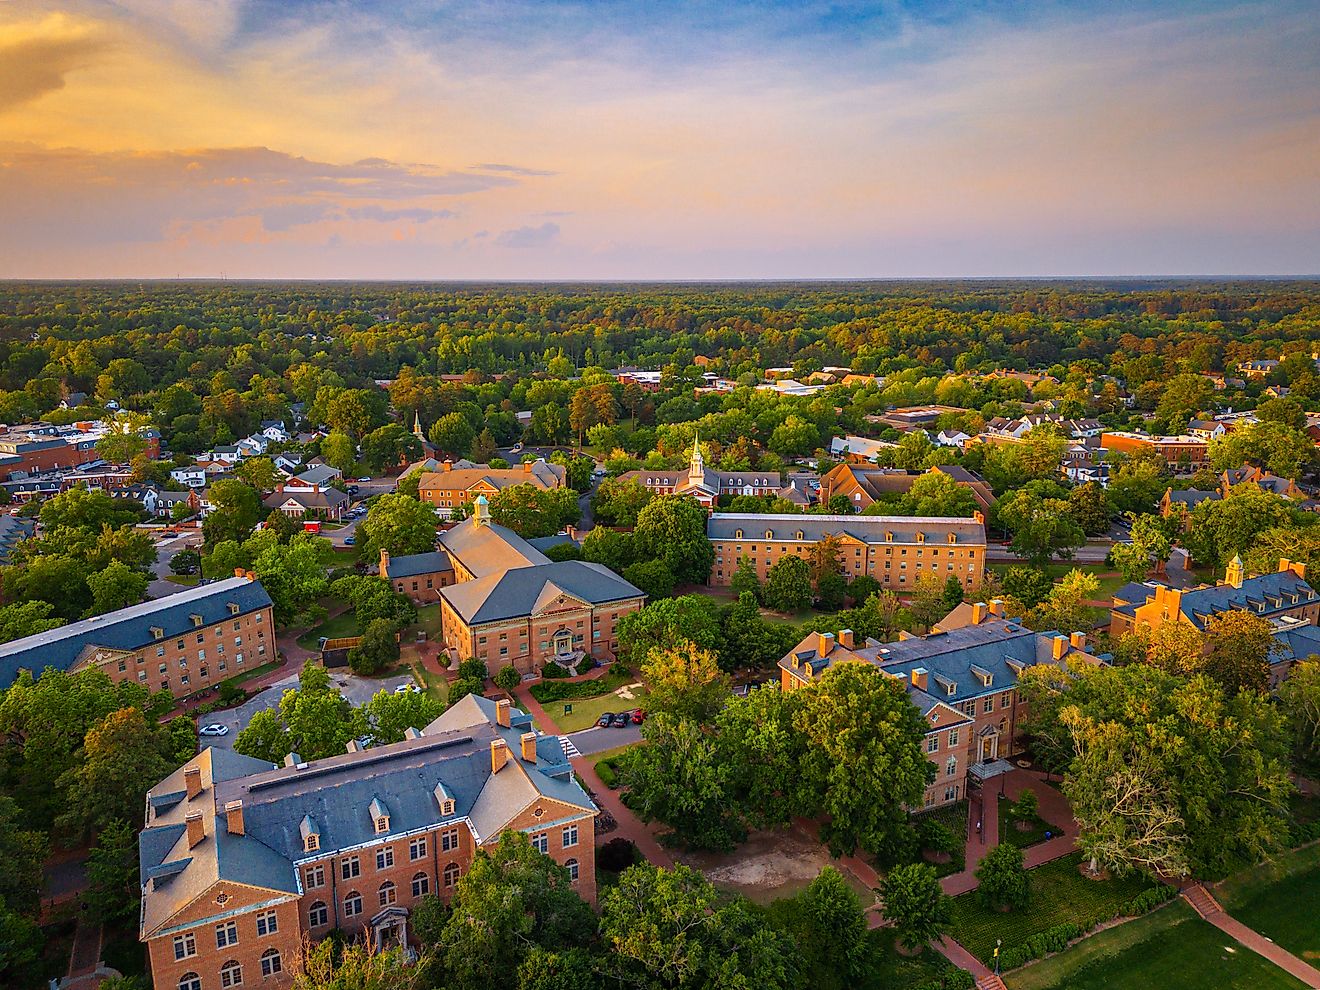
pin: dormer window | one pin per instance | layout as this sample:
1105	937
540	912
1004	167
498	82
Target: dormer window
801	535
380	815
233	608
382	826
921	537
196	620
157	632
769	535
312	843
953	538
311	834
737	534
444	800
889	536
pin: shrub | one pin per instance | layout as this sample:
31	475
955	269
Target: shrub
552	671
507	678
605	771
231	694
617	855
1026	807
952	978
1041	944
936	836
1148	900
472	669
551	691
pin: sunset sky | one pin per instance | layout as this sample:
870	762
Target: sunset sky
655	139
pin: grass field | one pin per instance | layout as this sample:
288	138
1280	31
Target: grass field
343	624
428	618
1059	894
587	710
1170	948
435	685
1281	900
343	556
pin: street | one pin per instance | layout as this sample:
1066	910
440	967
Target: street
160	570
597	740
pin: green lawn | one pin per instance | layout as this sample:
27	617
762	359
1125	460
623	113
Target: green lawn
344	624
1059	894
189	580
1170	948
1281	900
436	686
889	969
587	710
1008	831
428	618
343	556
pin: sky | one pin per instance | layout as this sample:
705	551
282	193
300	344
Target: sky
657	139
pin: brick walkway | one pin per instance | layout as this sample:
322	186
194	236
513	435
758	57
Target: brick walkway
86	952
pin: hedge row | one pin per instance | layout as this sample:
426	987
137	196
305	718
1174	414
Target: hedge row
554	690
1056	939
952	978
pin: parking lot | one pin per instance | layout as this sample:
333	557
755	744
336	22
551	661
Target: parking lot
358	691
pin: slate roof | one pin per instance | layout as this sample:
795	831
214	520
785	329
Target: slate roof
130	628
489	548
322	474
542	474
12	530
326	498
867	529
336	798
1273	591
1192	496
519	591
413	564
544	543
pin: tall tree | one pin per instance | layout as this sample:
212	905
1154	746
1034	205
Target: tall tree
674	530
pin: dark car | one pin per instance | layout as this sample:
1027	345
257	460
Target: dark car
622	720
638	716
606	720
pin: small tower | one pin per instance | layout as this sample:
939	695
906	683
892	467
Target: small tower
697	464
481	511
1236	572
417	425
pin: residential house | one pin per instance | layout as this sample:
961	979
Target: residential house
192	477
307	501
859	450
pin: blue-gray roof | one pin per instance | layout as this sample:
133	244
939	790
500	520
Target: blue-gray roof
413	564
544	543
1267	594
1192	496
1000	648
1297	642
518	592
130	628
867	529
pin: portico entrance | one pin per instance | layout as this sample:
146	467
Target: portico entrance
390	928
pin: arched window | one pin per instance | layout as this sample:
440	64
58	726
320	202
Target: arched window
388	893
451	874
319	915
231	974
271	963
801	535
352	904
190	981
421	885
769	535
572	866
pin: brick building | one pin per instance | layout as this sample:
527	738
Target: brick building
964	682
1183	454
510	604
707	484
453	486
181	643
241	861
420	576
895	550
864	486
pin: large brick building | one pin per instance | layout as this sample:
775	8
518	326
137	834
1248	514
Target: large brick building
242	861
452	486
181	643
964	682
1181	454
511	604
895	550
706	485
864	486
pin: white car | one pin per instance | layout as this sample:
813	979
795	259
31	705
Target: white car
215	729
408	687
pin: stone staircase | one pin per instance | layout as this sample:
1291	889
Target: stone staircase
1201	900
991	982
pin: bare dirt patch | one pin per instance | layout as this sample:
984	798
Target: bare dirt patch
769	866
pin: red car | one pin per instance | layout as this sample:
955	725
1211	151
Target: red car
638	716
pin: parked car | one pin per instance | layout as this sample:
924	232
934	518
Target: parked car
407	687
622	720
606	720
168	534
214	729
638	716
350	541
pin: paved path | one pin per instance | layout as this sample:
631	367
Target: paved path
630	826
1208	908
86	953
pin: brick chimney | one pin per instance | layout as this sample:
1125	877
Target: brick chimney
239	572
997	607
920	678
1078	641
192	781
846	639
499	755
529	747
527	467
234	818
385	564
1298	567
196	828
979	612
502	711
979	517
1058	647
447	466
824	643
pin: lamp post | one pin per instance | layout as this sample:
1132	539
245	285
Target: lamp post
998	943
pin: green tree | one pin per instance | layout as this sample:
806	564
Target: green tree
1001	878
452	434
1279	448
235	510
121	759
612	549
21	619
507	678
530	511
264	737
259	472
916	904
1137	485
116	587
674	530
377	649
684	680
830	931
397	524
863	763
339	451
293	574
391	715
672	928
745	580
335	964
788	584
927	600
659	624
1090	508
22	853
512	899
652	577
749	640
1042	528
1299	696
389	447
938	494
1238	648
113	891
1219	530
618	501
1029	585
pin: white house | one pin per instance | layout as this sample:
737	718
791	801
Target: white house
191	477
951	438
